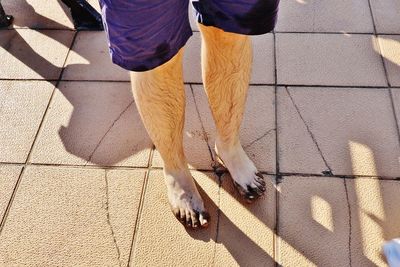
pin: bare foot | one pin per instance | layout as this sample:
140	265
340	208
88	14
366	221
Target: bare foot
247	180
185	200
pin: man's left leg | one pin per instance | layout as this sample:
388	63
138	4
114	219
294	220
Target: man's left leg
226	66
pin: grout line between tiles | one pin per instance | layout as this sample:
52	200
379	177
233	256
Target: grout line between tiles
372	16
197	31
3	220
383	178
218	218
349	176
8	207
330	33
377	87
276	106
377	43
276	228
388	34
50	100
62	165
12	163
334	86
335	33
151	168
28	80
38	29
140	208
277	177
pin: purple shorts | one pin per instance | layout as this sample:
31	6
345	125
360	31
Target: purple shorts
144	34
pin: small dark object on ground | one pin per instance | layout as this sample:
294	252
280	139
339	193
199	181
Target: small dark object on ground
5	20
84	16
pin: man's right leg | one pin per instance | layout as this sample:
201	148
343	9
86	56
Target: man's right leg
160	97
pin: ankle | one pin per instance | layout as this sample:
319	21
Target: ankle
176	171
226	146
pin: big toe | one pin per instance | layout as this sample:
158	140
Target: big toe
204	219
252	191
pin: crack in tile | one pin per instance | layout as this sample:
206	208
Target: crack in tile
349	211
259	138
109	220
329	171
109	129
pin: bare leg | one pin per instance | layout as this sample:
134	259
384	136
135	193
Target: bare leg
160	98
226	66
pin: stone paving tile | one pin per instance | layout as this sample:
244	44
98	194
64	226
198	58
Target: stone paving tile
329	59
246	231
263	68
354	129
162	240
375	217
8	178
325	16
192	59
386	15
22	105
29	54
89	60
390	47
41	14
71	217
257	133
93	123
194	141
313	220
297	150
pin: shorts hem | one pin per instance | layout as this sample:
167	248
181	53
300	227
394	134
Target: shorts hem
234	25
149	63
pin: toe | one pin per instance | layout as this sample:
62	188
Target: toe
188	219
259	187
241	190
195	219
176	212
182	216
204	218
260	178
255	189
259	183
252	193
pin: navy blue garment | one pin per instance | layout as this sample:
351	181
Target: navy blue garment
144	34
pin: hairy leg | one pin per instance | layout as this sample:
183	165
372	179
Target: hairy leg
160	97
226	66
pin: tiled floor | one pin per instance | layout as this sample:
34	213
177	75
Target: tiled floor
81	183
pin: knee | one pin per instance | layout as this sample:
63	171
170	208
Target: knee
221	37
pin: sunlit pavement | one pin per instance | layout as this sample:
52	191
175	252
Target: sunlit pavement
81	183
